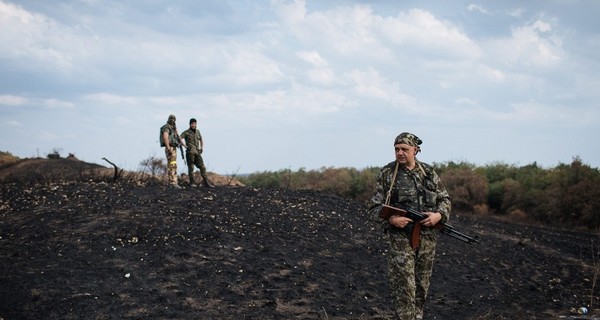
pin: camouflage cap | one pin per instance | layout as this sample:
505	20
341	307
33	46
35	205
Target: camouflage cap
408	138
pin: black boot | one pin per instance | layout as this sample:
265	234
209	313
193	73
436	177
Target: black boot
206	183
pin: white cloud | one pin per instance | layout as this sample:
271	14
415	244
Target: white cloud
473	7
110	99
420	28
323	76
491	73
12	100
517	13
13	124
529	45
249	66
56	103
370	83
312	57
290	12
344	30
36	40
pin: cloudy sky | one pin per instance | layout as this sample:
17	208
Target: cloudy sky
288	84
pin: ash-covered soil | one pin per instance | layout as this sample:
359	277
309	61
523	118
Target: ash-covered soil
133	251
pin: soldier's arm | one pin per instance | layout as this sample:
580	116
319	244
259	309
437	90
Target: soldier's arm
165	136
444	205
377	201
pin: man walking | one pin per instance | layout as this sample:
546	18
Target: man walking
193	153
410	183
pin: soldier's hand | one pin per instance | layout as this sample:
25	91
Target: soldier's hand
432	219
399	221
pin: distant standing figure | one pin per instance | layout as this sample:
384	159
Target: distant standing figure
169	138
195	146
410	183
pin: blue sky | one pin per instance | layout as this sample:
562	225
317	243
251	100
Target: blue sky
302	84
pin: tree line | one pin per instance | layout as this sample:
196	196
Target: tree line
567	195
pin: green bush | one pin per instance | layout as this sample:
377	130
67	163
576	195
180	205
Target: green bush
567	195
466	187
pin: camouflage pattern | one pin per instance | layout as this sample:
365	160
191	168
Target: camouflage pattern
408	138
410	270
172	133
171	155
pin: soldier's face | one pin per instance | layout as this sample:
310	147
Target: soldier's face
193	126
405	154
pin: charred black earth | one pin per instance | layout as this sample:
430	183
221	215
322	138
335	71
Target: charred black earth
134	251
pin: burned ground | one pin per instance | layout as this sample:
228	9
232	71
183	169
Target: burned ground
90	250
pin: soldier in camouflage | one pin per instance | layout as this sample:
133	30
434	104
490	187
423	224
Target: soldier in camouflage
193	153
414	184
169	138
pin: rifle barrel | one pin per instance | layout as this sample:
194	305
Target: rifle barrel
460	236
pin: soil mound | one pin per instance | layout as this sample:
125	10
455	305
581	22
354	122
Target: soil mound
71	169
39	169
128	251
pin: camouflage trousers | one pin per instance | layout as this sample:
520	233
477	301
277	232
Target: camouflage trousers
171	165
409	273
194	159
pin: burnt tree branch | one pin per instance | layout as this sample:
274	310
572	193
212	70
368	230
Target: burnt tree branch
118	171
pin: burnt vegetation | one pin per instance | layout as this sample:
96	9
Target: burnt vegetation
297	246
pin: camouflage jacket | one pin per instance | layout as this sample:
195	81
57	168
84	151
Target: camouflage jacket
420	189
172	132
193	140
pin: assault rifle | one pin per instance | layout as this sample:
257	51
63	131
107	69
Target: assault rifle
179	143
416	216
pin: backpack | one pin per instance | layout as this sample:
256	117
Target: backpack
160	137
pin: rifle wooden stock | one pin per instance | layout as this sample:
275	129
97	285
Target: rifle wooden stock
388	211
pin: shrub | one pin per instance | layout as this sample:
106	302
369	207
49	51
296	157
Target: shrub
567	195
466	187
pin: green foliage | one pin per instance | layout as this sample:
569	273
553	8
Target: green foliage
348	182
442	168
567	195
466	187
